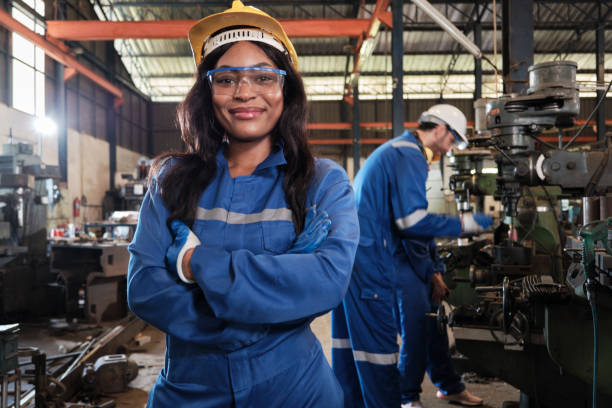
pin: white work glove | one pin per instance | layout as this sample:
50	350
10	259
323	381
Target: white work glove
477	222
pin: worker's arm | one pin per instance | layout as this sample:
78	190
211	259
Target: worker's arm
244	287
239	285
409	201
154	293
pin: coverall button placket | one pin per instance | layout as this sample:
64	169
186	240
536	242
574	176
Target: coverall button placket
240	373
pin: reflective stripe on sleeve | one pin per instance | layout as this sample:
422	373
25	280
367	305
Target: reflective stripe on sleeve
230	217
404	143
341	343
411	219
375	358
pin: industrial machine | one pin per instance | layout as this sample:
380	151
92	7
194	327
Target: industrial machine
533	300
94	276
27	193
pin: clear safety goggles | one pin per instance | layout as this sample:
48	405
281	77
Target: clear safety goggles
261	80
459	143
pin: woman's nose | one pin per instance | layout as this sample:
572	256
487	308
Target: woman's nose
243	89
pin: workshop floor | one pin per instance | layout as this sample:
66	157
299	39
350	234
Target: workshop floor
150	358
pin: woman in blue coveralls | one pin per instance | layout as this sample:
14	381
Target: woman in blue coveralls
243	239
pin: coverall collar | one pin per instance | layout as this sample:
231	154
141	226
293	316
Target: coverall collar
427	152
275	158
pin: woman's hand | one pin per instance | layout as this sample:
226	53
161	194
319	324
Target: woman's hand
187	272
180	252
316	227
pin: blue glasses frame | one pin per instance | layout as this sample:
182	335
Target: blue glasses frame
459	142
276	71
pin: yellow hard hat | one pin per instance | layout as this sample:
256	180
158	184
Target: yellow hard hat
270	31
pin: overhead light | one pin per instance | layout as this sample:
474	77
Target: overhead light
365	51
374	27
449	27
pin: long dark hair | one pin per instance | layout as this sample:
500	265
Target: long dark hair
183	183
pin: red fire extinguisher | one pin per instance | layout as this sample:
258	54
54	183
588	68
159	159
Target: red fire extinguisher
76	207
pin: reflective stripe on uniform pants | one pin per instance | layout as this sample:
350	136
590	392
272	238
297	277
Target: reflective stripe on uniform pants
364	356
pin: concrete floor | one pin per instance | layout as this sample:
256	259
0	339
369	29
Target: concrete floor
494	392
150	358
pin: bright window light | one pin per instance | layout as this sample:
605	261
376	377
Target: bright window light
45	126
28	63
23	87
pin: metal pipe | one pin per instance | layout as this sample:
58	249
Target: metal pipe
449	27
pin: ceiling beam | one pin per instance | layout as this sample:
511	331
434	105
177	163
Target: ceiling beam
92	30
366	44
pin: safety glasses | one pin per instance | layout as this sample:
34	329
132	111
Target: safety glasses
261	80
459	142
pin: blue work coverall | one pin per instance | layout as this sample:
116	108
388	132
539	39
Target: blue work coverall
240	335
424	348
392	210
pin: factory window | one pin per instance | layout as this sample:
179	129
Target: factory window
28	64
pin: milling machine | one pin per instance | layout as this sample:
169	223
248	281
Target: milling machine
27	192
532	302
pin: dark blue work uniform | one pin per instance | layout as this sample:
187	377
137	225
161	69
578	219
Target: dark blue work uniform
240	335
393	218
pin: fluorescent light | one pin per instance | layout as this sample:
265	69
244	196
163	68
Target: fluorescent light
449	27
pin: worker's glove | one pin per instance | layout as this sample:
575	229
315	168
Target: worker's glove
477	222
184	239
316	227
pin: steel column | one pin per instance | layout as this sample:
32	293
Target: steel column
397	68
8	97
150	146
600	52
61	117
517	50
62	120
356	130
111	118
478	61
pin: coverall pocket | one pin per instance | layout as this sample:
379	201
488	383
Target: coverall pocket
377	305
278	236
379	294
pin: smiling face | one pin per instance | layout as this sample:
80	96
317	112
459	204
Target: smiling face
247	116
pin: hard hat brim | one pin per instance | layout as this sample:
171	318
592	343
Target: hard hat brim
217	22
